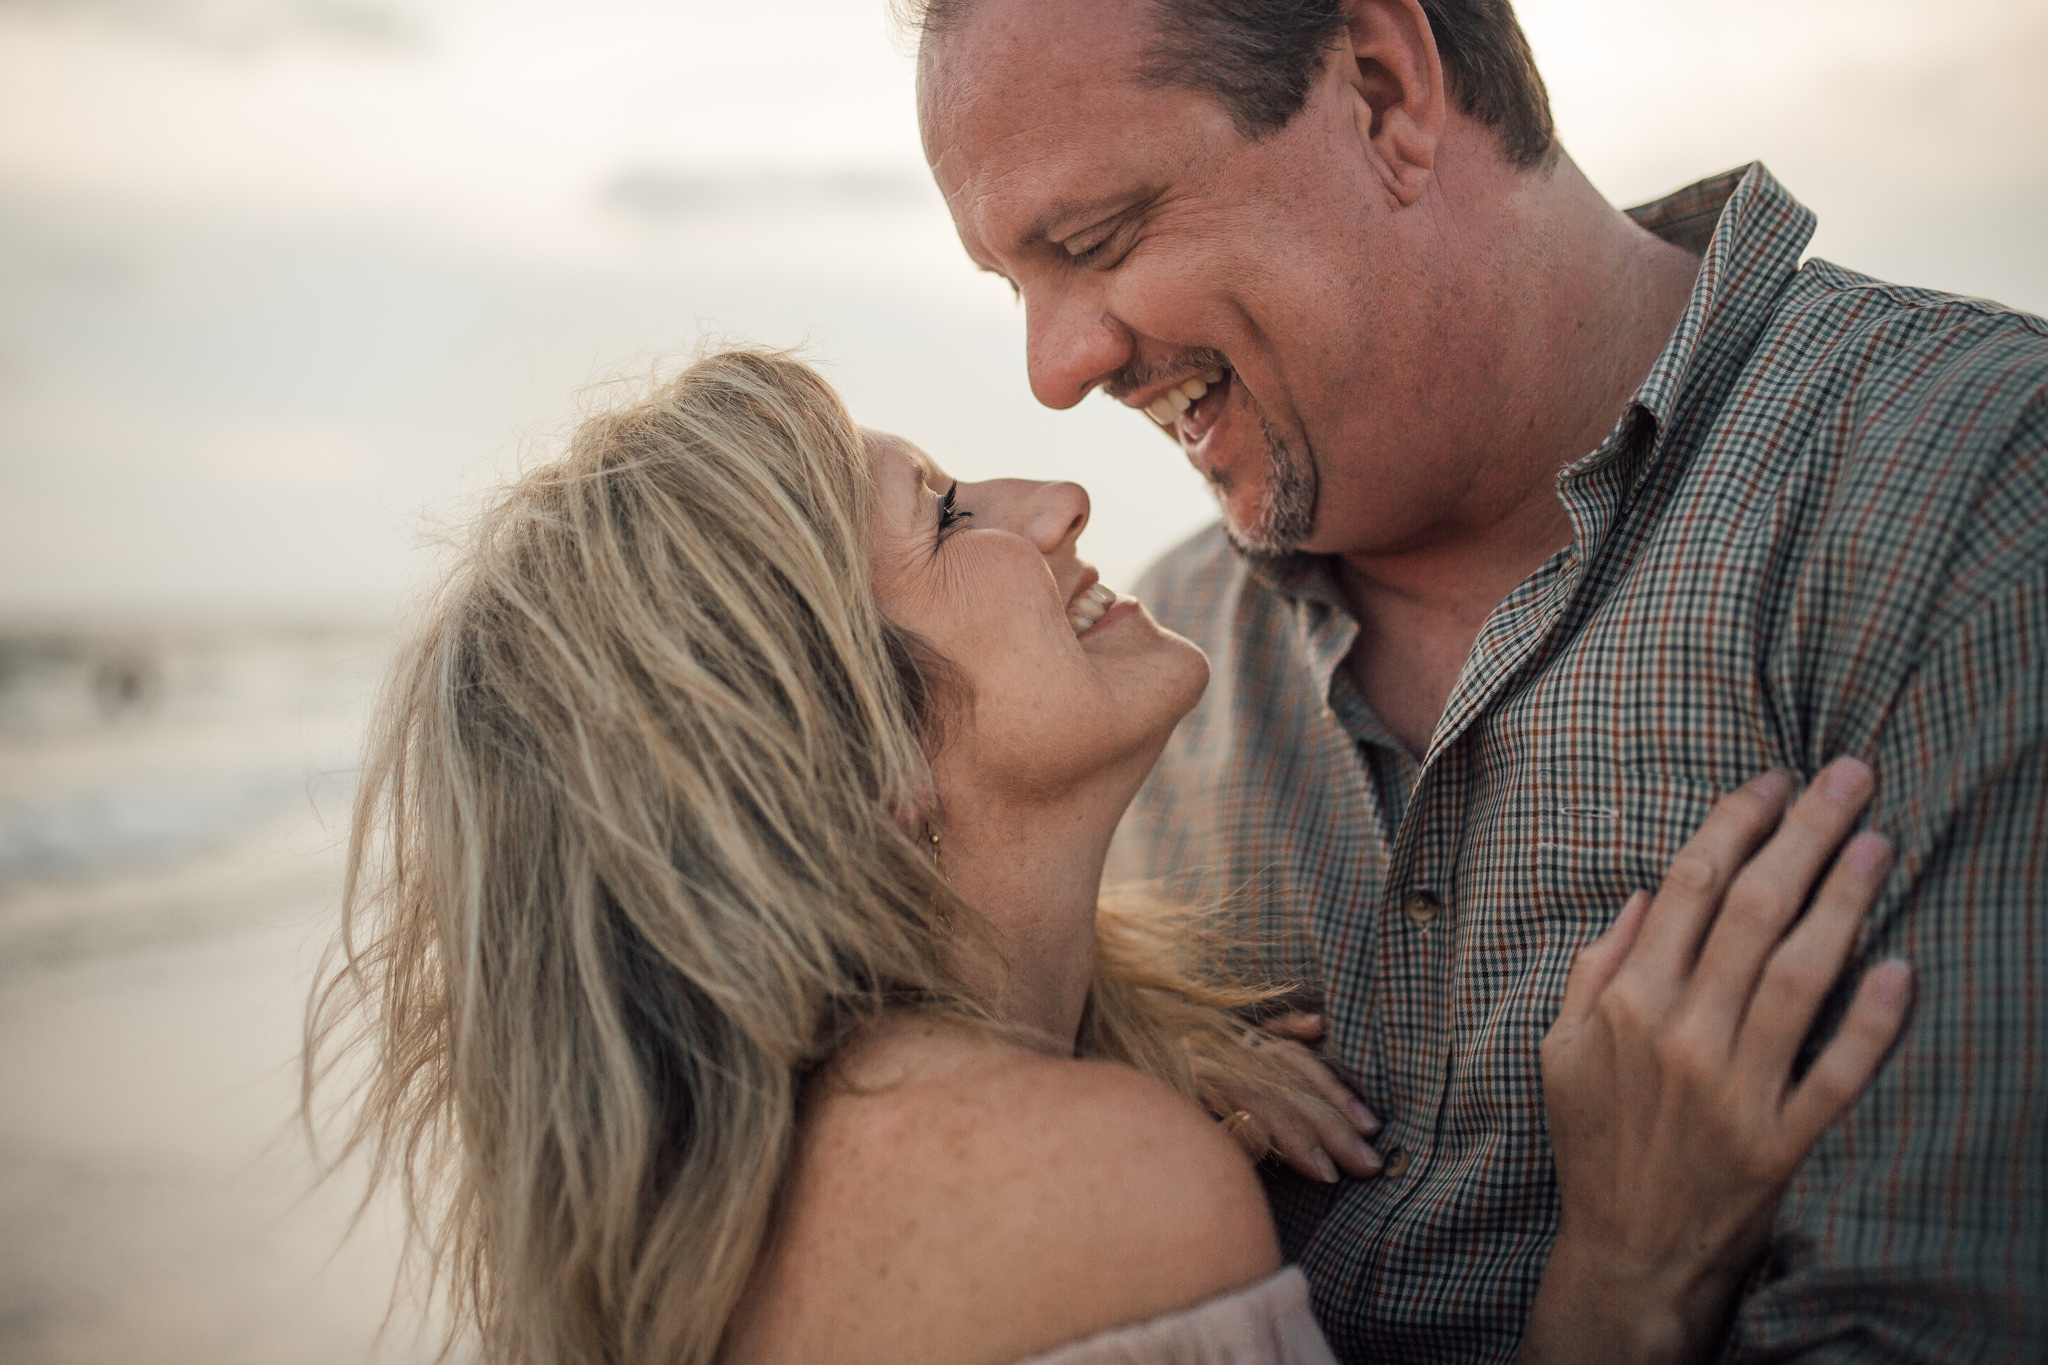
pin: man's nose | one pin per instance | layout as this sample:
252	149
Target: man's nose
1071	343
1050	515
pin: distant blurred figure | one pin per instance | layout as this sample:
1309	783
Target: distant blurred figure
127	683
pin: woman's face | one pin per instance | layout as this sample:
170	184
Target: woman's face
1074	688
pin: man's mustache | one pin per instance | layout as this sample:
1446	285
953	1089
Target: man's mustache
1136	376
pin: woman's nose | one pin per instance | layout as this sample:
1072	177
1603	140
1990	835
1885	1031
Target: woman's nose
1051	515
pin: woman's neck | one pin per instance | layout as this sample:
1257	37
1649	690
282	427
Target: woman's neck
1034	871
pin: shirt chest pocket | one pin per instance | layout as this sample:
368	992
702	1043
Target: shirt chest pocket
1602	833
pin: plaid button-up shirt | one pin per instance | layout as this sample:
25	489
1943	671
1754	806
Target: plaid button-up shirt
1818	530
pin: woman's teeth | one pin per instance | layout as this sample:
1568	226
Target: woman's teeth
1085	610
1168	406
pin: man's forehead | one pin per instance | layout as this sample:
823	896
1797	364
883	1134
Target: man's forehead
1006	47
1027	108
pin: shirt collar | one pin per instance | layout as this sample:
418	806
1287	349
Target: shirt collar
1749	232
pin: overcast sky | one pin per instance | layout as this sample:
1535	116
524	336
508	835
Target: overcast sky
280	274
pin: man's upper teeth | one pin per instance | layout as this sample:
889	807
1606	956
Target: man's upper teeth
1087	608
1175	401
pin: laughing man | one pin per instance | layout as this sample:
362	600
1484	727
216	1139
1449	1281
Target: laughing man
1543	523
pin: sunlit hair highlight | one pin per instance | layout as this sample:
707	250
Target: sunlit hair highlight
632	858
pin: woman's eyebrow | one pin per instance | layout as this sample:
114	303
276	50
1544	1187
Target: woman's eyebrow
920	478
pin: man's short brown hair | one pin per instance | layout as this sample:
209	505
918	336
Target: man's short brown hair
1259	57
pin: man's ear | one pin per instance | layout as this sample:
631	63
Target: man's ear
1397	85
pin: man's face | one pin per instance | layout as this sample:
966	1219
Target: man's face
1158	249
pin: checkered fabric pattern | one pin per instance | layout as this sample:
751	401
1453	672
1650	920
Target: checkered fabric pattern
1818	530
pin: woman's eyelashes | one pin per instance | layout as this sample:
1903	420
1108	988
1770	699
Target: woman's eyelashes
950	515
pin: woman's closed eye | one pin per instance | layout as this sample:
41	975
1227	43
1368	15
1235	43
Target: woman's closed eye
949	515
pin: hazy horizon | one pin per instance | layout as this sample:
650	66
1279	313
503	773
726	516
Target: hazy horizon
285	276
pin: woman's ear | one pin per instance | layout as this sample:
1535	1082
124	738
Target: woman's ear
919	811
1400	103
913	814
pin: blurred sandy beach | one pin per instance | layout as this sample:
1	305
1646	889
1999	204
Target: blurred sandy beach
170	805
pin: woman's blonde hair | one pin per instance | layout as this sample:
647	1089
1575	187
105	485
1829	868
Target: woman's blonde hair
630	861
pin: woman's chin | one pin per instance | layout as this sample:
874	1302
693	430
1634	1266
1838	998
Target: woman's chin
1190	679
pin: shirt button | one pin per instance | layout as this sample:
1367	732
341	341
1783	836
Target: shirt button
1421	906
1397	1164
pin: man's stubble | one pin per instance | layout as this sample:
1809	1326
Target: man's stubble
1285	511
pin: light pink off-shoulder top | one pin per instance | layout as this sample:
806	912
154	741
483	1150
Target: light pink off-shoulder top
1267	1323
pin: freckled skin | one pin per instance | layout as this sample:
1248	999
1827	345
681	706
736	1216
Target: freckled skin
954	1198
1063	728
1052	711
963	1201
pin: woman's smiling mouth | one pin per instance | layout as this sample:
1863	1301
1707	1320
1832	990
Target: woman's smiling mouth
1088	607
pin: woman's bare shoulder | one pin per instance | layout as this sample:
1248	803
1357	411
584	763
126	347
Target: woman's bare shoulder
959	1198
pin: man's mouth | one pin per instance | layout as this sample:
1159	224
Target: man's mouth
1191	407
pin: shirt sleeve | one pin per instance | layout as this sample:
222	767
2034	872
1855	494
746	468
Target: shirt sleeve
1918	1228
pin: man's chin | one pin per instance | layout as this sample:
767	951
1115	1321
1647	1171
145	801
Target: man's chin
1259	538
1259	524
1267	494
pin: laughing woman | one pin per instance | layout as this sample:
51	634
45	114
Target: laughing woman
722	947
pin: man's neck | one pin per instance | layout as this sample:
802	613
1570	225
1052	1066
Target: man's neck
1593	301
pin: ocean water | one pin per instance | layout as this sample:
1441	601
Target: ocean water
157	784
171	808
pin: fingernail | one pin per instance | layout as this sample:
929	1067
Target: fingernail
1868	853
1363	1119
1365	1153
1325	1167
1847	778
1774	783
1892	981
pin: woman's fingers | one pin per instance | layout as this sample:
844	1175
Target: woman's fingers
1806	965
1597	963
1320	1142
1334	1092
1766	895
1303	1134
1341	1122
1300	1025
1699	877
1851	1058
1250	1134
1319	1134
